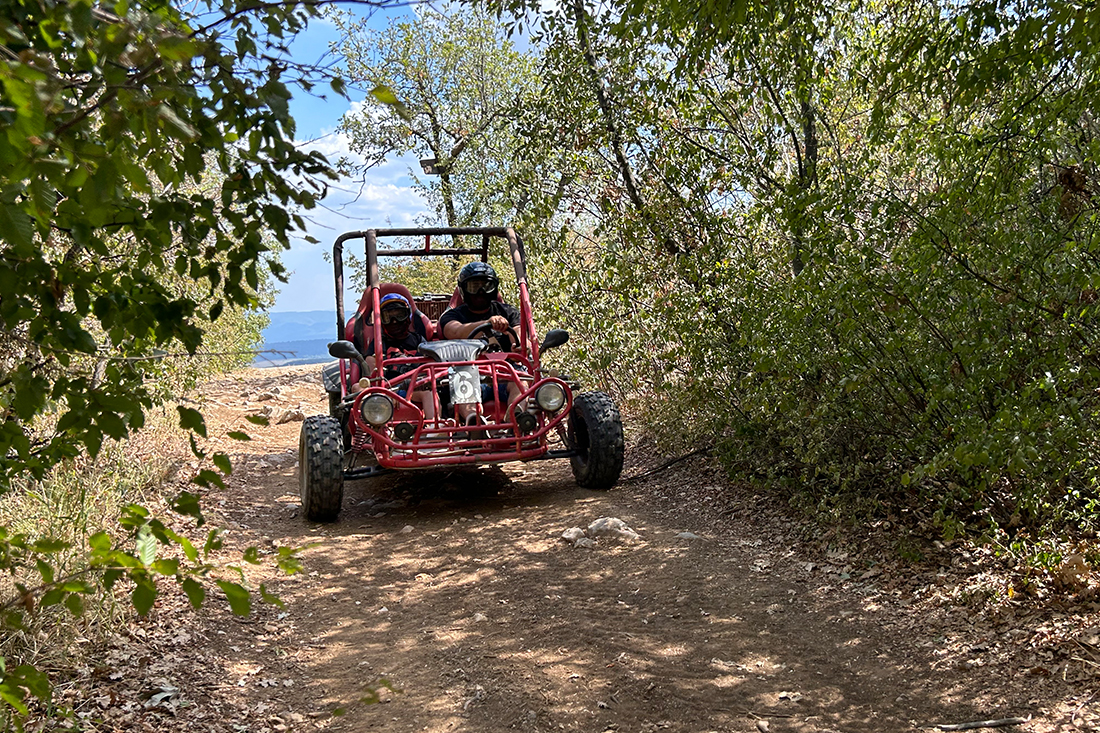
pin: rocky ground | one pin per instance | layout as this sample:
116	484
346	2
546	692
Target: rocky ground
450	602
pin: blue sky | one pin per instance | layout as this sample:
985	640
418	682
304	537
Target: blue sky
381	197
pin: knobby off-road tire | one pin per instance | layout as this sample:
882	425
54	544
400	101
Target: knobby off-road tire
336	411
321	468
596	430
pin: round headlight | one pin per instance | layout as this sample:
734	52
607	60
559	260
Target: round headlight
376	409
550	396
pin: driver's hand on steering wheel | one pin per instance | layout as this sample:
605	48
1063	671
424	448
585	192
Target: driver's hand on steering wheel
498	323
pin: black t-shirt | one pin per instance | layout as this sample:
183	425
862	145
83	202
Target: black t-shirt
463	314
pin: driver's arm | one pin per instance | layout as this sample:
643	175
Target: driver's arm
456	330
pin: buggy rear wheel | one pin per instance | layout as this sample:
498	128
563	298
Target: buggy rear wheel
596	433
321	468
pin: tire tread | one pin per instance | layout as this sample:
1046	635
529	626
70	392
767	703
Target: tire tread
321	468
601	462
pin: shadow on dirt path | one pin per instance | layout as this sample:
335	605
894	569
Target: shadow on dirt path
451	599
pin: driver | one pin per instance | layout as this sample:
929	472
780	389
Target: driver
478	283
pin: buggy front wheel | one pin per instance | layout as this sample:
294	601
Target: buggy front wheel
321	468
595	431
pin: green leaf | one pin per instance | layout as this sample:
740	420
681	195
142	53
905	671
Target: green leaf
111	576
100	542
207	479
195	450
223	463
18	228
270	597
144	595
50	546
239	600
386	96
192	420
34	680
196	594
75	604
213	542
239	435
166	566
189	505
257	420
146	547
252	555
45	570
188	549
13	696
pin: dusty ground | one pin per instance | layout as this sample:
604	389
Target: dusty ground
451	598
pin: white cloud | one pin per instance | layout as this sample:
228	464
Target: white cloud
379	197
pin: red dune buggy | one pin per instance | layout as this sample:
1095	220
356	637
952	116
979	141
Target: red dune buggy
373	426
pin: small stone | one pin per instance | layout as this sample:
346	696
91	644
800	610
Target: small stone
585	543
296	415
688	536
407	529
611	527
480	617
572	534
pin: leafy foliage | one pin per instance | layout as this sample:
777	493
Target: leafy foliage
110	117
856	241
148	181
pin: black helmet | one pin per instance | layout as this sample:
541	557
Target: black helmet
478	271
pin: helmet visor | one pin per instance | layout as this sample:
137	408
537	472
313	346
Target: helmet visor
480	286
395	314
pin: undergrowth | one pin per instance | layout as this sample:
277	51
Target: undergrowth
76	500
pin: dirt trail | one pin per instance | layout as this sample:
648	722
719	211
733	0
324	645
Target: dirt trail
456	590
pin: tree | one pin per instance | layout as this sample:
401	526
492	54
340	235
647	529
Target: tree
108	114
462	86
857	239
148	180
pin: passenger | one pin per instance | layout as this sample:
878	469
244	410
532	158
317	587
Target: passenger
398	339
478	283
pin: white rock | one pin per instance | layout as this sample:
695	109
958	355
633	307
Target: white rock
408	528
295	415
572	534
585	543
689	536
479	617
611	527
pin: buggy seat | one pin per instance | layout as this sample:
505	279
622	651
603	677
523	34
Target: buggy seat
359	329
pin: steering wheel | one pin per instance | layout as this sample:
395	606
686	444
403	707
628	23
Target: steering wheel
498	340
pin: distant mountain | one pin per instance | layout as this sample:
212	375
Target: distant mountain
297	338
300	326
